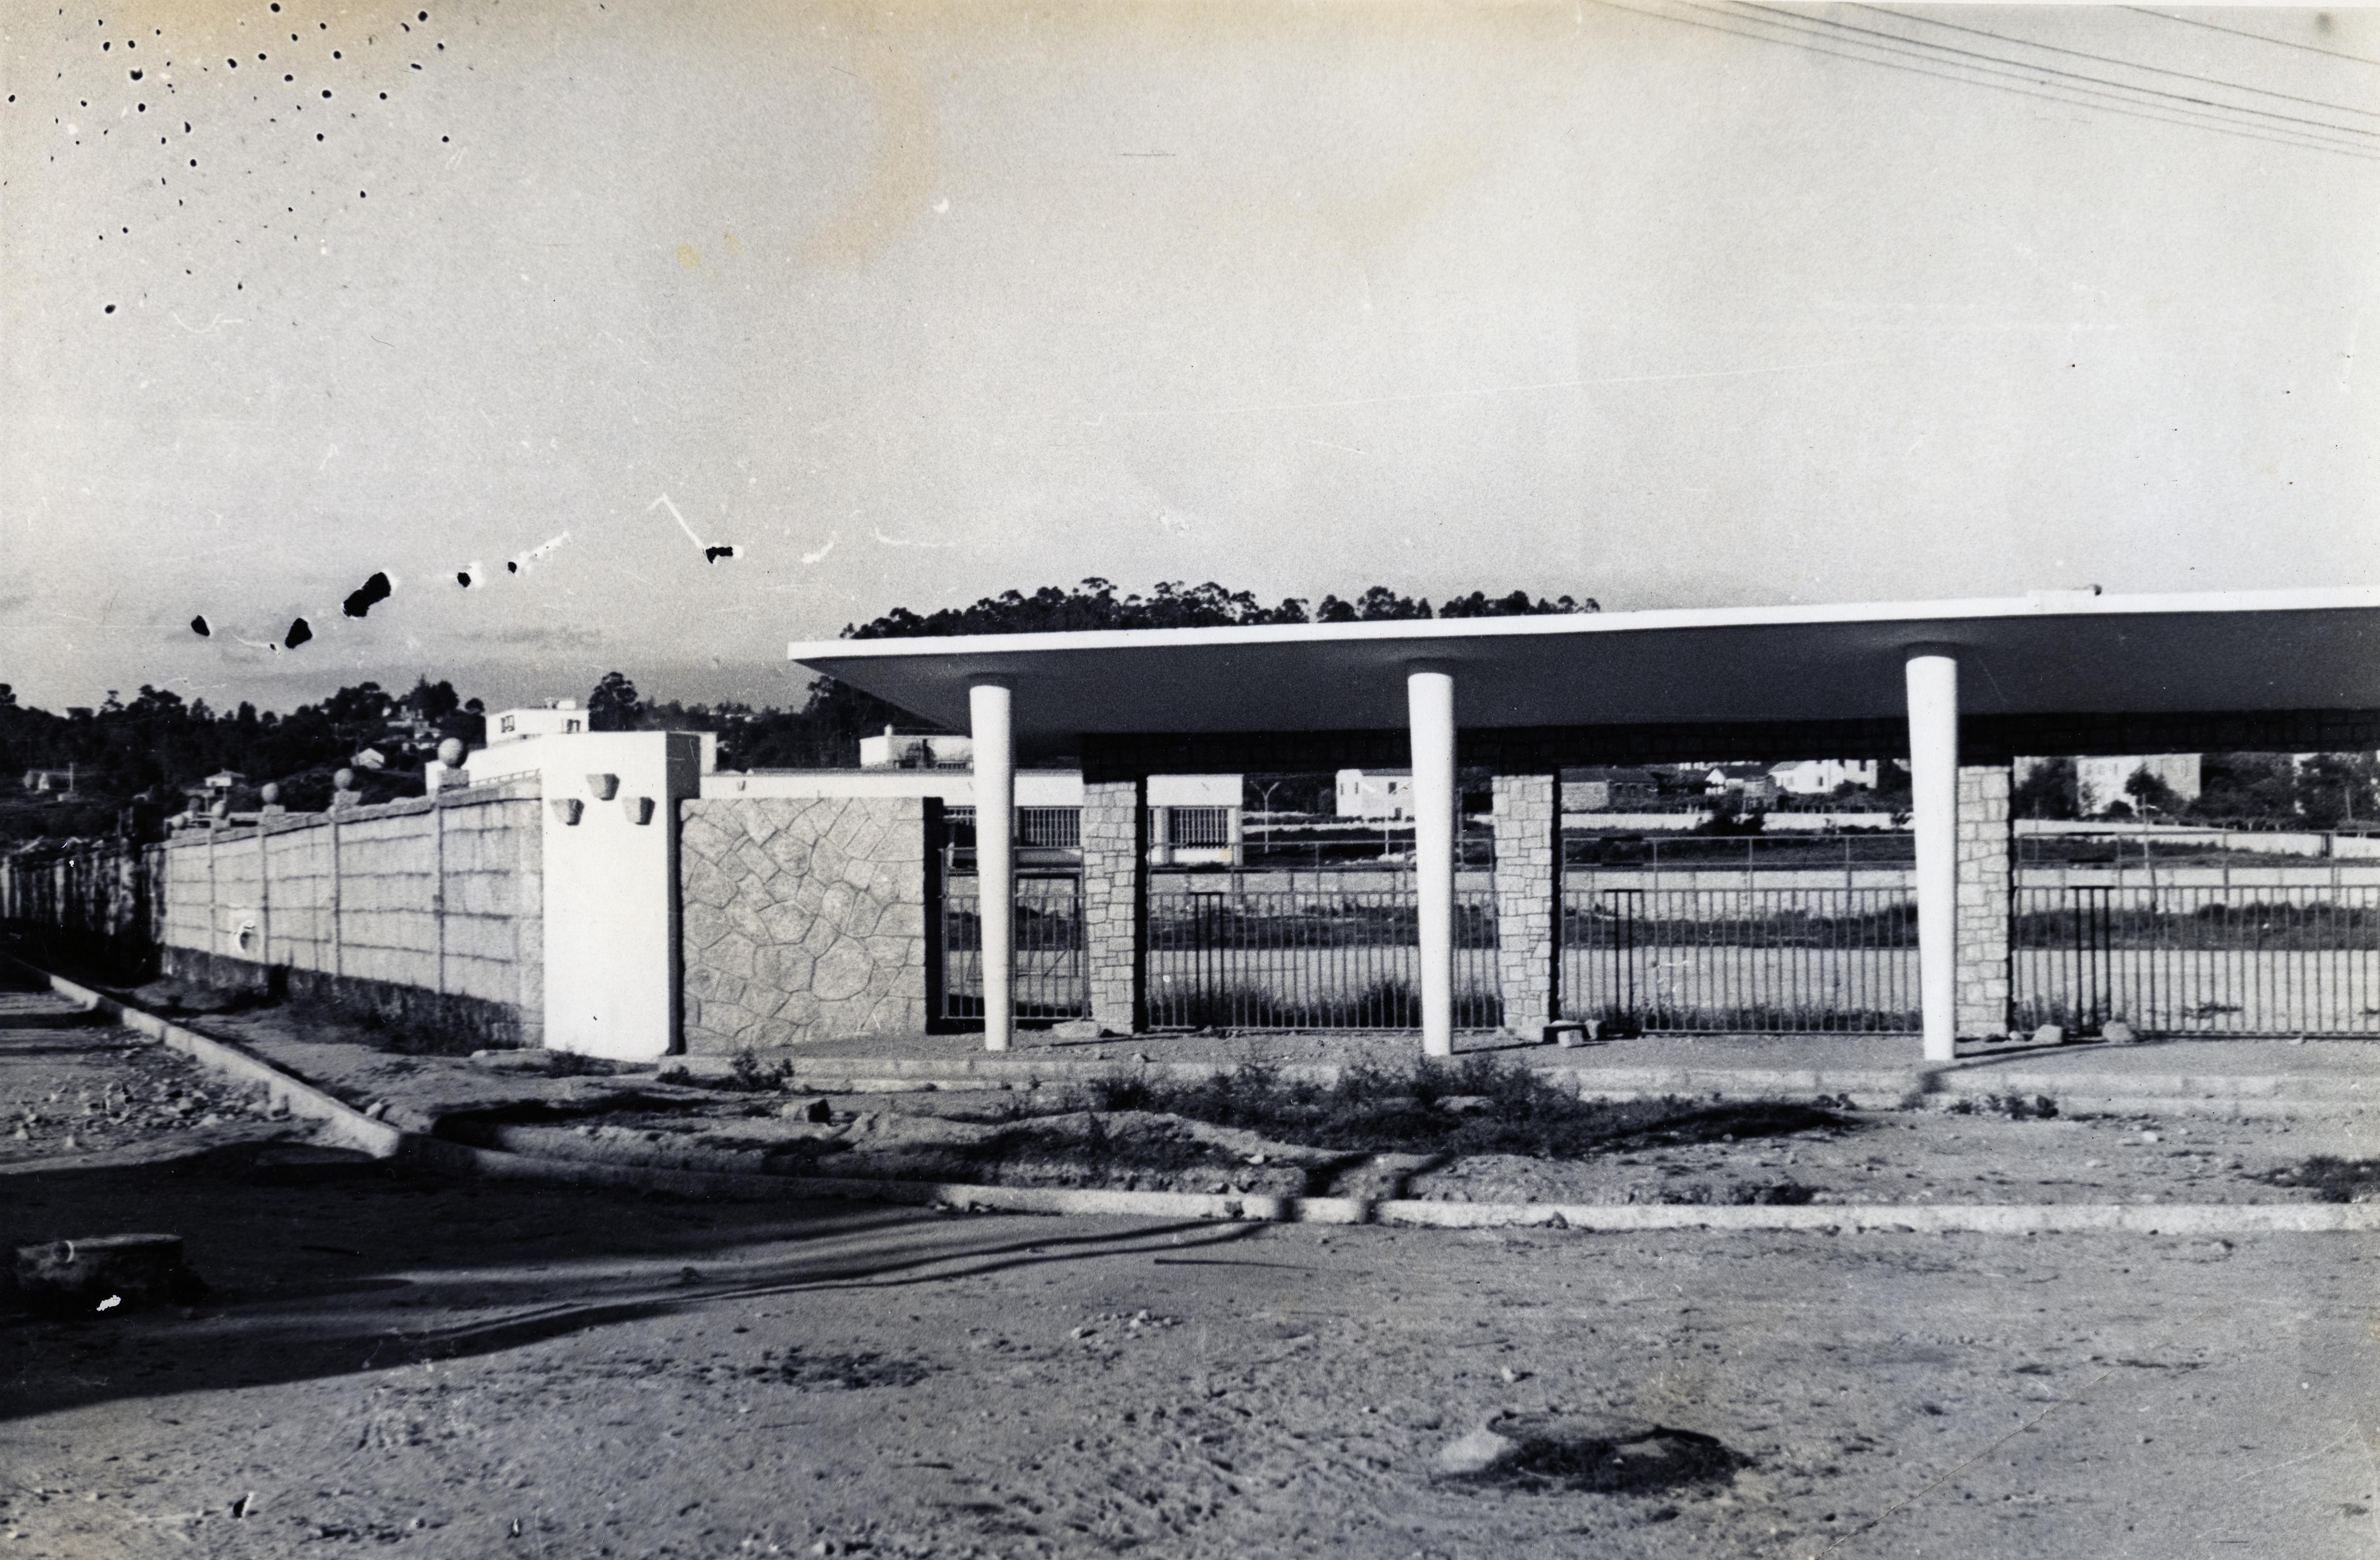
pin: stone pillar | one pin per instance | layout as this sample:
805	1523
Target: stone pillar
1987	884
1932	684
1115	903
1528	901
1429	702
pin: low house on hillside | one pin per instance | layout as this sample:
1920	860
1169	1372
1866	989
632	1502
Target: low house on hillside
1821	777
1750	783
1606	790
50	782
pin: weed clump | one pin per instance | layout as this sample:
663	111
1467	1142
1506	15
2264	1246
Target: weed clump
1477	1107
2330	1178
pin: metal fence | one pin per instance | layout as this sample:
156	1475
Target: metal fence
1048	934
1321	955
2182	960
1741	959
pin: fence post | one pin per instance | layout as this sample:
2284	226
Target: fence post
264	896
214	908
338	905
438	883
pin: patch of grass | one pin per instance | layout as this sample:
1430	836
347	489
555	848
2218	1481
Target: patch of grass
2330	1178
1506	1109
849	1373
2016	1107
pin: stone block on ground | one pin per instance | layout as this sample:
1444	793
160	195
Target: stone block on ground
105	1271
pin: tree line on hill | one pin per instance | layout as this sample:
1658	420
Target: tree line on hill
131	761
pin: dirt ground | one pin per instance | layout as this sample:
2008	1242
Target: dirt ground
474	1370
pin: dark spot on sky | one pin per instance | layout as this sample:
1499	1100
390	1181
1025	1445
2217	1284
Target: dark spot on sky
136	75
361	193
335	54
318	135
198	626
370	593
299	632
511	566
326	91
233	63
422	16
109	309
462	578
713	554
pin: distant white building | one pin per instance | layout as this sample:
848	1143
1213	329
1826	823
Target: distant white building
1374	794
556	718
560	718
2099	782
1819	777
914	750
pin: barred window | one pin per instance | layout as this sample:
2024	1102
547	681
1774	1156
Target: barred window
1199	826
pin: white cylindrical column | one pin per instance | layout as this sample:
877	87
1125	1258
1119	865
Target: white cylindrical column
1932	676
1429	705
995	856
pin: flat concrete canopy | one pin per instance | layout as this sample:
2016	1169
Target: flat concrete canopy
2054	652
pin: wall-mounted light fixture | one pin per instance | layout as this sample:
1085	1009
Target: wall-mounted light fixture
603	787
638	808
567	808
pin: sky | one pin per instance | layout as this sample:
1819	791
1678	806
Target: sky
1663	302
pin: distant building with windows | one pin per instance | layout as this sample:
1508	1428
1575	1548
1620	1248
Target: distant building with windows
916	750
559	718
1606	790
51	782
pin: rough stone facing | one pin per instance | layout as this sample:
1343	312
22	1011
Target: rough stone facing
1528	892
1115	906
802	918
1987	884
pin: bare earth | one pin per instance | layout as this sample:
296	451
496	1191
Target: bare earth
469	1371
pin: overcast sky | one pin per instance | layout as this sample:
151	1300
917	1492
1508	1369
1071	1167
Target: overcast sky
1657	302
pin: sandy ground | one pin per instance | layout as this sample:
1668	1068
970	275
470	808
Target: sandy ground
468	1371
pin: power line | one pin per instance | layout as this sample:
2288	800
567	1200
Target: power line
2090	96
2217	126
2194	102
2128	65
2259	37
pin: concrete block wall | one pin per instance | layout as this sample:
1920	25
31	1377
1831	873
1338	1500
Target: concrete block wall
429	910
1529	900
1115	902
1986	885
802	918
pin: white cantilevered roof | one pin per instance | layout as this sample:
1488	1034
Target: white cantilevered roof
2052	652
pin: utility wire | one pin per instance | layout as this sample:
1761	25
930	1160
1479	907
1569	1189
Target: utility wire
2194	102
2128	65
2259	37
2219	127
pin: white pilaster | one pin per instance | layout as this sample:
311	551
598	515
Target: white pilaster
995	856
1429	703
1933	681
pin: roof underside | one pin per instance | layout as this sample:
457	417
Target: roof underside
2069	654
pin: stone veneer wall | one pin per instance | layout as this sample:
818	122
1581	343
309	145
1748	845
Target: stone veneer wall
1986	883
1528	901
1115	902
802	918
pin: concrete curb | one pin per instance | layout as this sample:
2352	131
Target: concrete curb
347	1127
343	1125
2016	1218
